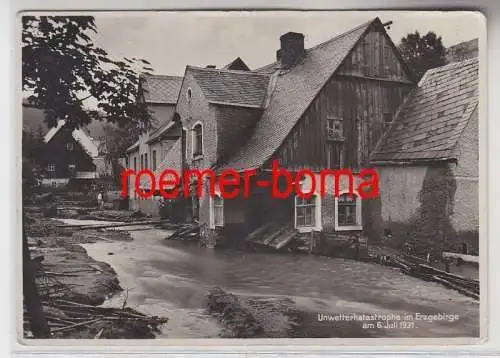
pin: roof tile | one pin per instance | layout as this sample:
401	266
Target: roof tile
161	89
242	88
430	122
293	91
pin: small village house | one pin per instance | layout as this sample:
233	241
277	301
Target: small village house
160	147
71	157
153	146
323	107
428	164
75	157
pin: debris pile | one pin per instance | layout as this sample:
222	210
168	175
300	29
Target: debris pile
238	321
71	285
273	317
69	318
185	232
423	271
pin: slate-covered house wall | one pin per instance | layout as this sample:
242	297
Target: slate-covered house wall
428	166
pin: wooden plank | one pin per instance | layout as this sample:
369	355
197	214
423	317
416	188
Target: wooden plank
114	225
285	239
464	257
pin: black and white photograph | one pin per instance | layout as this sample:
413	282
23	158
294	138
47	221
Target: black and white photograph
251	175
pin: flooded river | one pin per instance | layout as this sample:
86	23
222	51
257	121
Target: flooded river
172	278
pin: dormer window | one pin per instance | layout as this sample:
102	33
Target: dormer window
197	140
334	128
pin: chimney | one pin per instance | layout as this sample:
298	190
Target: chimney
292	47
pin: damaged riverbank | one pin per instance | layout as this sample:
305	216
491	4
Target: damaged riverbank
263	294
72	285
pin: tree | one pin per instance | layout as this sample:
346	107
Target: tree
422	53
62	69
118	139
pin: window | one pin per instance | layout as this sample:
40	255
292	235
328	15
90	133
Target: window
69	146
217	211
308	213
348	212
197	140
71	167
142	161
51	167
126	162
334	157
189	94
154	160
135	164
146	161
334	128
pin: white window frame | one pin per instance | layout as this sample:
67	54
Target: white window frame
193	136
51	168
359	219
70	146
212	210
318	226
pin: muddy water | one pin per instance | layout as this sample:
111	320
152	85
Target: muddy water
171	278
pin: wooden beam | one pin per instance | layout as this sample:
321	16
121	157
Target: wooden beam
467	258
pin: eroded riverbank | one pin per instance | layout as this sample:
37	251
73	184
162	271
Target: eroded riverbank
72	285
286	295
173	279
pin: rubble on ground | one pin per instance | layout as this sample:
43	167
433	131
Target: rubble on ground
71	284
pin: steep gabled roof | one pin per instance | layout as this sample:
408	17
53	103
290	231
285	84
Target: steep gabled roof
160	89
238	88
237	64
88	144
133	147
433	117
293	92
157	134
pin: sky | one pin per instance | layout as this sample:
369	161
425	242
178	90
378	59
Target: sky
172	40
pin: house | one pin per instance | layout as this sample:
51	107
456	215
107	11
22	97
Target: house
237	64
323	107
428	164
71	157
152	148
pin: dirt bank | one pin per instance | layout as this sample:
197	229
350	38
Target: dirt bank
273	317
67	272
